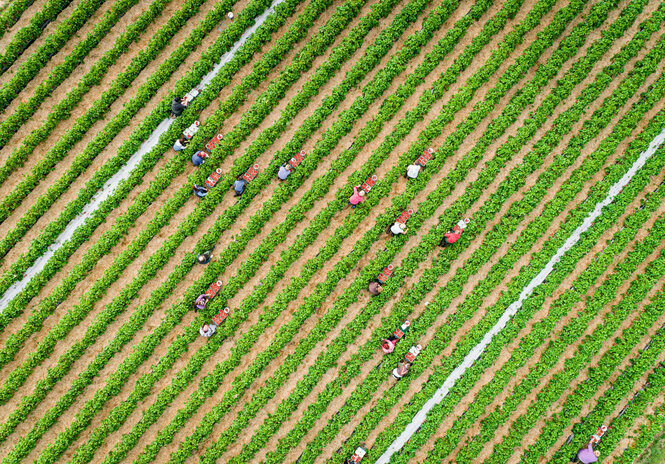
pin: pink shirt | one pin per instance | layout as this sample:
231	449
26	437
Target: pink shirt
356	198
586	455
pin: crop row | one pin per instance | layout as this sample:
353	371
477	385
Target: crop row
273	416
13	11
348	13
51	231
530	201
59	73
241	241
540	332
83	124
25	36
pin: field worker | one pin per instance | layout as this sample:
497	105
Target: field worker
207	330
177	107
199	158
398	228
388	345
239	186
588	455
401	370
375	288
284	171
412	171
449	238
357	197
205	257
200	303
200	191
180	144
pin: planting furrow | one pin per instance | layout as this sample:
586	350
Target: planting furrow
536	338
534	191
25	36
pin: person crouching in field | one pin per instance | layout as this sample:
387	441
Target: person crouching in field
587	455
207	330
357	197
200	303
177	107
199	158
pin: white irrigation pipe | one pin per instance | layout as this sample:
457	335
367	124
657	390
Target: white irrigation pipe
124	172
477	350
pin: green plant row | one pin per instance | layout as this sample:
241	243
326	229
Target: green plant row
52	230
58	74
112	128
533	161
218	48
541	331
646	435
599	375
25	36
634	409
154	412
529	202
563	84
613	397
11	14
349	13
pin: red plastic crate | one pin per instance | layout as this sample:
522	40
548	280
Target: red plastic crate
223	314
369	183
214	141
213	289
404	216
297	158
251	173
213	178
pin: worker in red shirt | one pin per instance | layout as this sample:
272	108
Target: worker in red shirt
449	238
357	197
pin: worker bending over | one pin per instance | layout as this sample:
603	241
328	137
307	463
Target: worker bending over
397	229
375	287
412	171
401	370
180	144
200	302
357	197
588	455
205	257
239	186
177	107
449	238
199	158
207	330
200	191
284	171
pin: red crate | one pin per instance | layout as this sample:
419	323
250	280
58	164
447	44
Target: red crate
389	270
223	314
368	184
425	157
214	177
214	141
214	289
297	158
404	217
251	173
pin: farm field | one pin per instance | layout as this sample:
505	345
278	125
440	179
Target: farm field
538	129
